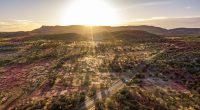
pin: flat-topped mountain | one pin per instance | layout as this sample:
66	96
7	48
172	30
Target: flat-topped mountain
96	29
85	29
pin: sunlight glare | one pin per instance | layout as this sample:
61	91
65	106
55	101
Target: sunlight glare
90	12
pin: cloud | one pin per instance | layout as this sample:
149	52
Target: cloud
169	22
148	19
134	4
154	3
188	7
2	22
18	25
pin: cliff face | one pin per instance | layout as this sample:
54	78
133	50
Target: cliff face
60	29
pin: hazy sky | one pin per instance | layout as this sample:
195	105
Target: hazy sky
29	14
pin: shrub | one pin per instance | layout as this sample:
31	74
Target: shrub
99	105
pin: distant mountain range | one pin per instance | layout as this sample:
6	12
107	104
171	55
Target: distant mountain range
96	29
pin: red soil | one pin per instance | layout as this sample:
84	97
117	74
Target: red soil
14	76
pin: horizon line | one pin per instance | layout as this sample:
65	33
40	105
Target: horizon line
101	26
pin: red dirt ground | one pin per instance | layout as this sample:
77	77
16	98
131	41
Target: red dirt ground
14	76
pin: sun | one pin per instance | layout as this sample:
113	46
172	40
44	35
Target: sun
90	12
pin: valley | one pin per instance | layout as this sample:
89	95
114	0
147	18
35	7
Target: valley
107	70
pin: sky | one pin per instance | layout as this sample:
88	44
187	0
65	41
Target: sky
25	15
